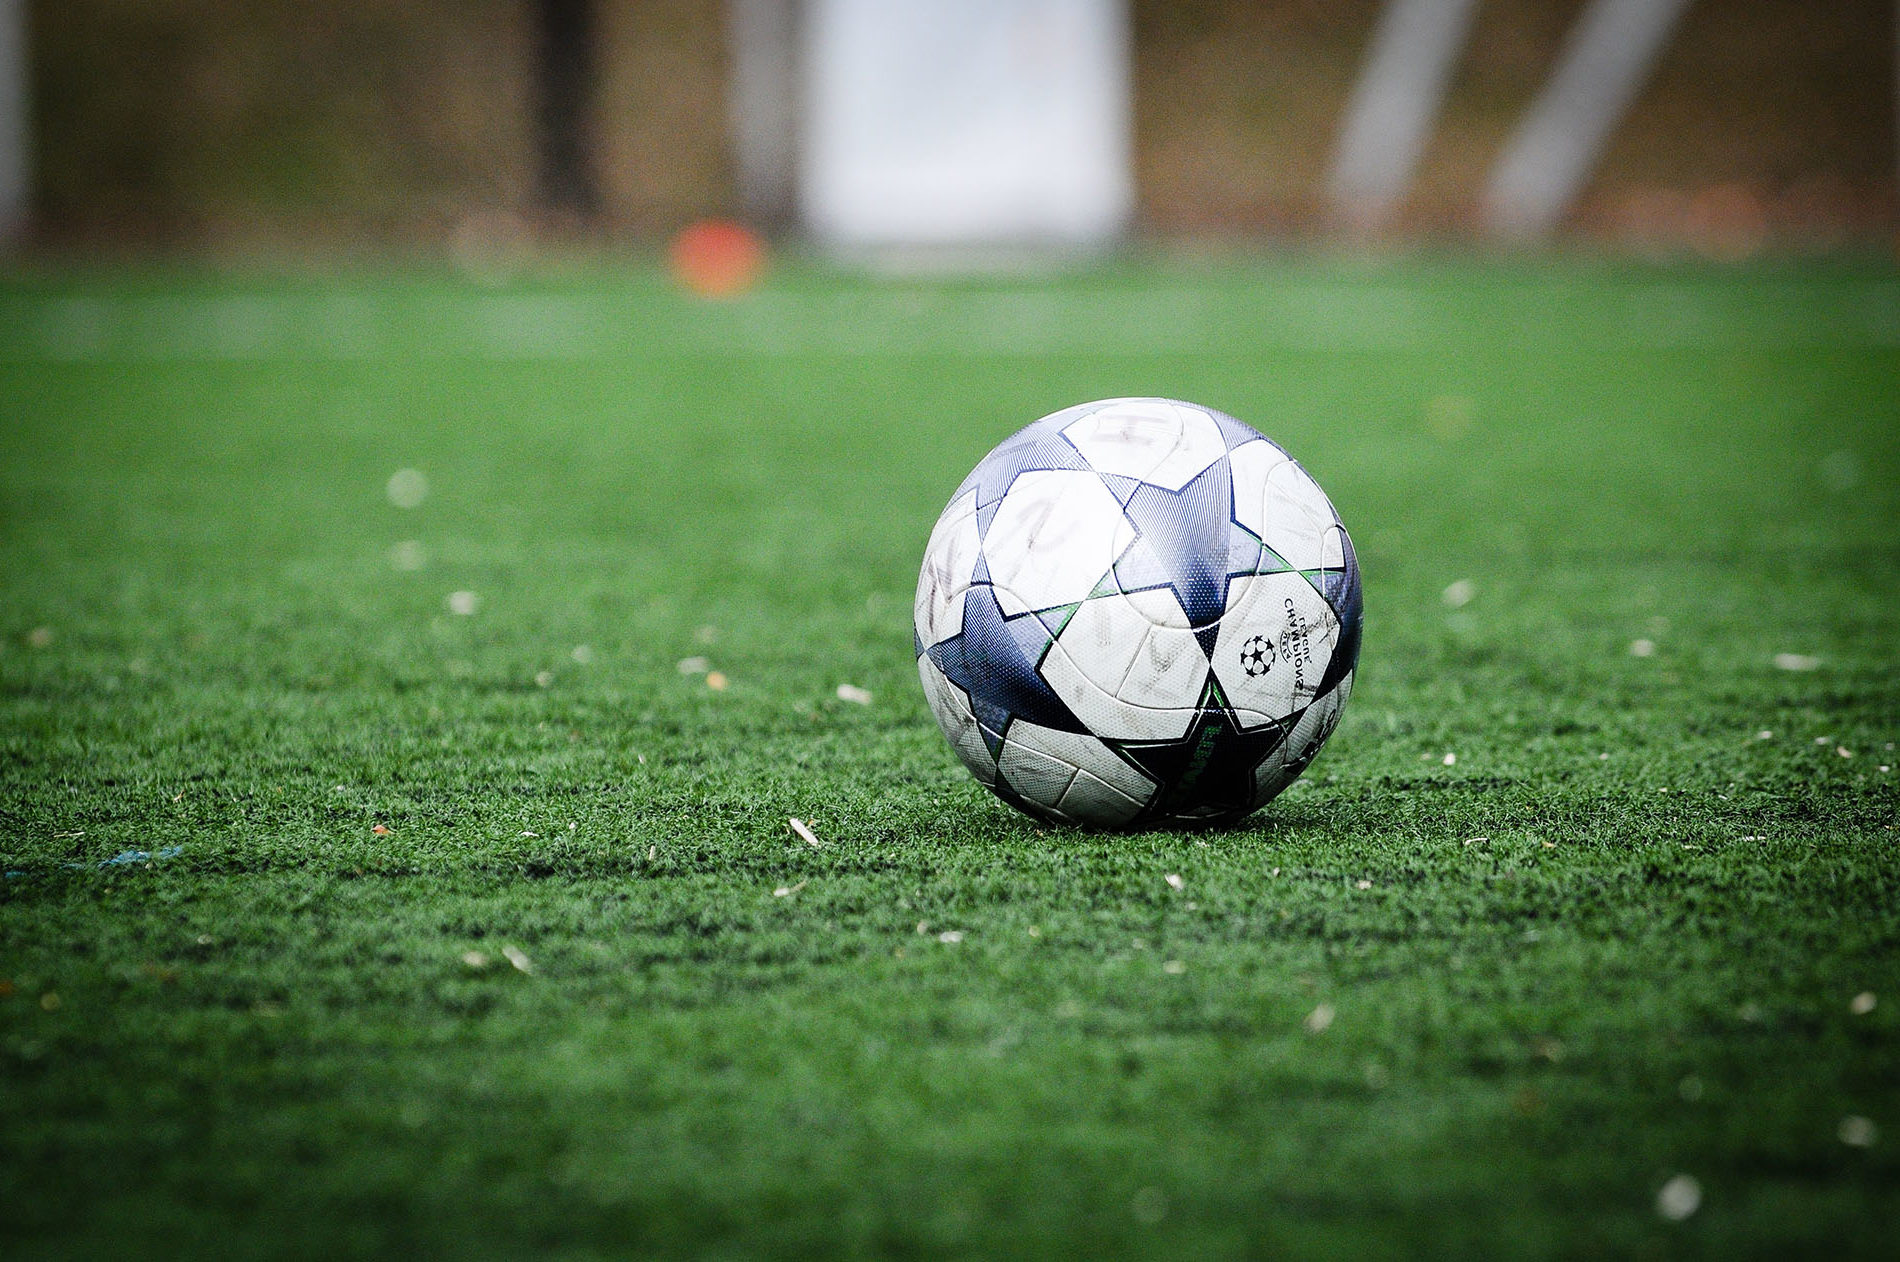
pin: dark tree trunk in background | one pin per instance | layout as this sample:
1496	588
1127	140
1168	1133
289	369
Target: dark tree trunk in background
564	71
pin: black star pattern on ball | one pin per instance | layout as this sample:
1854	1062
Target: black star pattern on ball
1207	775
994	659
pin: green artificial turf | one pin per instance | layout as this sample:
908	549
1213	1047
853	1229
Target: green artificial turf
1580	898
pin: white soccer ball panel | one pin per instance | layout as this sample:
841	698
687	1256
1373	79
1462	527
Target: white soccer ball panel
952	709
1128	666
1284	764
1276	500
1097	803
949	560
1038	778
1274	645
1056	534
1155	440
1332	549
1086	754
1047	769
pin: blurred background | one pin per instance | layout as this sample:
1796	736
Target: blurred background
1716	128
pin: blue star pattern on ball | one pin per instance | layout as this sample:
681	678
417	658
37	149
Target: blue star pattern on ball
1188	541
995	659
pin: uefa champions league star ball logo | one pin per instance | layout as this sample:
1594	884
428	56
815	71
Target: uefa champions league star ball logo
1137	612
1256	656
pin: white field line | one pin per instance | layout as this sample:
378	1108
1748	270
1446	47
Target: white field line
1306	317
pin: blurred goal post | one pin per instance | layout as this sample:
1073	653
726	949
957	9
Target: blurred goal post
893	123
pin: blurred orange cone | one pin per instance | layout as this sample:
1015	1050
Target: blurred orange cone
716	258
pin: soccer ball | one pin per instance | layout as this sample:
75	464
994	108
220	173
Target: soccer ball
1137	612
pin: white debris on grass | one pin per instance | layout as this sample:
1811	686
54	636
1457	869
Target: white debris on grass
1174	967
1149	1205
1458	594
786	891
475	959
464	603
1796	661
1679	1198
1451	760
950	937
1863	1003
1843	751
1174	880
1858	1132
519	958
1841	470
853	694
407	488
1362	885
1642	648
1764	735
1319	1019
582	654
804	831
544	679
694	666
